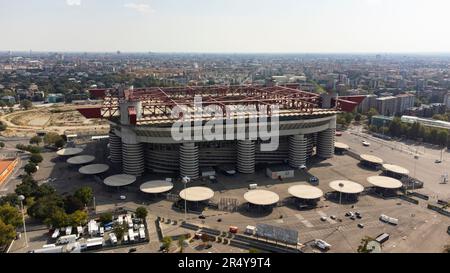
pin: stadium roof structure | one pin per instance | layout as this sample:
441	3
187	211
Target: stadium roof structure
306	192
156	186
340	145
395	169
346	186
158	102
69	151
81	159
385	182
94	169
372	159
261	197
119	180
197	194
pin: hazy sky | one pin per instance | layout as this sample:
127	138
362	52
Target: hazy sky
226	25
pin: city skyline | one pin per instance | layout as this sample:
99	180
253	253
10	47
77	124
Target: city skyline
196	26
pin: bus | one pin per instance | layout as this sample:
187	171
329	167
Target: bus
382	238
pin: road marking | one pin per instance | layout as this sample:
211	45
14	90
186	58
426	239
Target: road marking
304	221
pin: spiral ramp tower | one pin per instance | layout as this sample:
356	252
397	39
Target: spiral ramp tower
133	159
297	150
246	156
115	148
189	160
325	143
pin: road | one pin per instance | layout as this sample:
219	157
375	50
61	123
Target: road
424	168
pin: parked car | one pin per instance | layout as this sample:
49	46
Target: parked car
323	218
131	250
361	225
333	217
366	144
322	244
202	217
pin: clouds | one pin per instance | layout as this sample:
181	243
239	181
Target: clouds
141	8
73	2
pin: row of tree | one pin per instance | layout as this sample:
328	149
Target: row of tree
397	128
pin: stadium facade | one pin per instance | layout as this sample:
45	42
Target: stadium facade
142	120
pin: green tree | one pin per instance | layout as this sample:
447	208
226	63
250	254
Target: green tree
3	126
58	218
60	143
371	113
45	206
106	218
10	215
180	243
27	188
358	117
36	158
7	233
11	198
26	104
51	138
35	140
362	248
44	190
30	168
442	137
254	250
78	218
141	213
84	194
72	204
119	230
167	242
2	144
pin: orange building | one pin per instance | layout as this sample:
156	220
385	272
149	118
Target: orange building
6	168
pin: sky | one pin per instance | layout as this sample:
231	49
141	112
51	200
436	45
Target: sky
226	26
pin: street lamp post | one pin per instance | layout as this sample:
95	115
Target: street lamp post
21	198
185	181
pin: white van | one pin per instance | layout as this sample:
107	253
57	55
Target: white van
55	234
102	231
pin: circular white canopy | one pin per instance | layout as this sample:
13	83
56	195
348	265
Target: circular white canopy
119	180
94	169
385	182
81	159
69	151
346	186
305	192
372	159
341	145
395	169
261	197
156	186
197	194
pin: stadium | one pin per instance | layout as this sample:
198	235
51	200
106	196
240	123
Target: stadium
141	127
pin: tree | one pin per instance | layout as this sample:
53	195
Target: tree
141	212
371	113
78	218
35	140
442	137
119	230
58	218
60	143
106	217
7	233
11	198
180	243
362	248
167	242
3	126
72	204
10	215
36	158
44	190
358	117
27	188
51	138
26	104
30	168
84	194
2	144
45	206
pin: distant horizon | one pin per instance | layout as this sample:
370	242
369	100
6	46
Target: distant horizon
227	26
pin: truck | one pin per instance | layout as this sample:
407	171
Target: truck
63	240
94	243
389	220
250	230
141	233
382	238
113	238
131	235
55	234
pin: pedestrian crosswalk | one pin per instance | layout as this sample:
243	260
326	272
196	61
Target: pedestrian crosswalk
305	222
